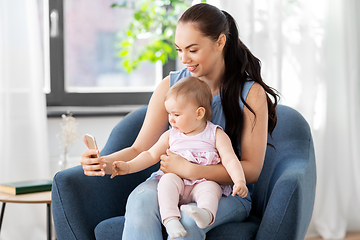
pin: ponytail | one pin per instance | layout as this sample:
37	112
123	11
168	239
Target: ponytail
234	80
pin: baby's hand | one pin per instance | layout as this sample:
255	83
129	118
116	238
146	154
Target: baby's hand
120	168
240	189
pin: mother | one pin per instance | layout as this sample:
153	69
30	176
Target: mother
209	46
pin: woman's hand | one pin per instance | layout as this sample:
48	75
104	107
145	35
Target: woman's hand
174	163
92	166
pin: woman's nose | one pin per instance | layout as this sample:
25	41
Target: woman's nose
185	58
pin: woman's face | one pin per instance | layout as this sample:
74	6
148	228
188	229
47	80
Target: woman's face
202	56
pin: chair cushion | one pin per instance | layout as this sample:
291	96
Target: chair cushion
112	228
236	230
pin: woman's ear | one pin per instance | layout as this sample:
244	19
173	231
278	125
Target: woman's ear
200	113
221	42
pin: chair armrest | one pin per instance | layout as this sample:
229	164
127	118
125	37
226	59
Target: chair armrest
80	202
290	206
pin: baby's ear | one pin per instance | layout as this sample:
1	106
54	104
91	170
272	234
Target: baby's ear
200	113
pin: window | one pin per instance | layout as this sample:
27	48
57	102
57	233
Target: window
84	68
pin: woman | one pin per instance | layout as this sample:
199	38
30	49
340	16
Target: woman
208	45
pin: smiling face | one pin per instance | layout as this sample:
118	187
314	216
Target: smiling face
202	56
185	116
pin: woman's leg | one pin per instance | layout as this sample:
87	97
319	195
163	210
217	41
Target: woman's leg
142	217
230	209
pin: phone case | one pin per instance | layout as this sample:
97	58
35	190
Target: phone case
92	143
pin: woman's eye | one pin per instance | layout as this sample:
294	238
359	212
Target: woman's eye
193	51
179	50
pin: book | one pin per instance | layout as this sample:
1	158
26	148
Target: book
33	186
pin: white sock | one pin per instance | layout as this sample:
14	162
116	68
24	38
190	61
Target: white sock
174	227
201	216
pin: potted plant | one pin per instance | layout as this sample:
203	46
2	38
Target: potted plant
154	22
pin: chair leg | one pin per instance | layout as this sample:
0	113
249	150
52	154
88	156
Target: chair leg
2	214
48	208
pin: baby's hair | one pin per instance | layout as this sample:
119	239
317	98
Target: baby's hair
195	90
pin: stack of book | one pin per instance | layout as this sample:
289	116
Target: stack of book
33	186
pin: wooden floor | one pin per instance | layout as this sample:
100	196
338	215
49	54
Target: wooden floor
349	236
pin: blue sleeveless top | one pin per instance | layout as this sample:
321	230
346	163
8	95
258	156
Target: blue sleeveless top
218	117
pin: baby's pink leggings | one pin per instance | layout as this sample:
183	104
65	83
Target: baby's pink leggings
172	192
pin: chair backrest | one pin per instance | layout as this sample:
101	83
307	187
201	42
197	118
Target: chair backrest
293	148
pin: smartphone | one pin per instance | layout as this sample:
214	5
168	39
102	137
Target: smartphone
92	144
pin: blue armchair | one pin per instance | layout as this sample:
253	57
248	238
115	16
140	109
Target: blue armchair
88	208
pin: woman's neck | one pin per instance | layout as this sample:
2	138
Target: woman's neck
213	79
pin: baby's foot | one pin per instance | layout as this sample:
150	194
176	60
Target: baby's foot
202	217
174	228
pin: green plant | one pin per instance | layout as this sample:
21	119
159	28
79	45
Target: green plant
154	23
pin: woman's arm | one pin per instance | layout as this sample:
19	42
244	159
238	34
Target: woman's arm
253	147
155	123
173	163
254	135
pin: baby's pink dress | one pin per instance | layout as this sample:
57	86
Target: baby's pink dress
199	149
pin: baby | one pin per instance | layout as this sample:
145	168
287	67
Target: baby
194	137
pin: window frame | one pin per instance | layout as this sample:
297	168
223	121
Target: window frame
58	95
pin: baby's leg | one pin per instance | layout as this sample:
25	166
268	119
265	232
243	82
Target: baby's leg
207	195
170	187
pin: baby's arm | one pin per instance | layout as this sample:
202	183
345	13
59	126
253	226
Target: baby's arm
144	159
231	163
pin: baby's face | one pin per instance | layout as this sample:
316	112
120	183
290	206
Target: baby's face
182	114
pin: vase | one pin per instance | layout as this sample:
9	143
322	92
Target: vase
63	160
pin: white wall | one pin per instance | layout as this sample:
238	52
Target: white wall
99	127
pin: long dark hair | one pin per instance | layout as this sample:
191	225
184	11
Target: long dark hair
240	64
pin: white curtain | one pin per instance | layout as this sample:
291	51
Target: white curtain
337	207
23	123
310	52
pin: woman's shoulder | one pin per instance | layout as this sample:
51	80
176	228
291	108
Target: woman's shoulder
163	87
257	100
177	75
256	94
